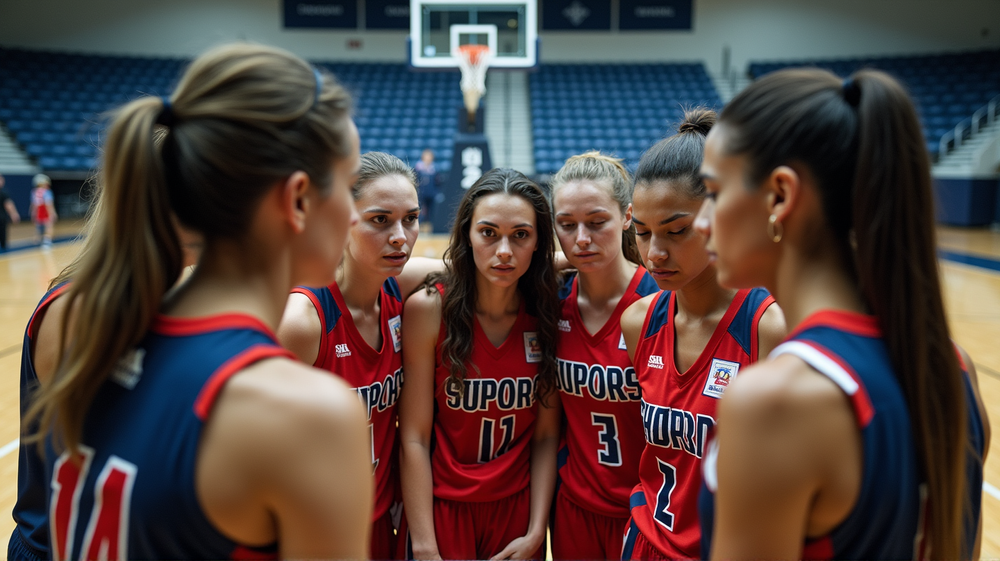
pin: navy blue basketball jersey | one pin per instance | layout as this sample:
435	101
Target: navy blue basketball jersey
31	534
886	520
130	490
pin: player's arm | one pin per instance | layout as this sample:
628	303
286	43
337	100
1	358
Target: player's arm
544	444
771	330
12	211
421	323
788	462
285	457
415	273
970	367
632	319
300	330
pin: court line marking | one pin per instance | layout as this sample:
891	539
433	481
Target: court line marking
991	490
9	350
986	369
12	445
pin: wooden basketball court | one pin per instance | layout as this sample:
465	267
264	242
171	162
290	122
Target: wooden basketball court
972	294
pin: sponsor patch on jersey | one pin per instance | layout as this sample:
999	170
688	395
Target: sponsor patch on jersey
655	361
720	375
621	343
129	369
396	330
532	347
342	350
564	325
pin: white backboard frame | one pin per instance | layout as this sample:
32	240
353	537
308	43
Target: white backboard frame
529	60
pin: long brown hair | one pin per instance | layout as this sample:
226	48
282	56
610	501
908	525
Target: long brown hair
595	166
863	144
538	286
243	118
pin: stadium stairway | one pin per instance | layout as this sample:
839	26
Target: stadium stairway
508	121
13	160
977	156
729	86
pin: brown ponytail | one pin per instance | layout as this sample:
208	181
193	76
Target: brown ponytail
242	118
897	272
863	144
595	166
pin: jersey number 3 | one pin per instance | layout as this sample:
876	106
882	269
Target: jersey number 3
106	536
611	454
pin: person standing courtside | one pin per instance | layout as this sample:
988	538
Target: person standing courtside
9	211
42	209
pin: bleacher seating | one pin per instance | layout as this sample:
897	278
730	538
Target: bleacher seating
948	88
52	103
621	109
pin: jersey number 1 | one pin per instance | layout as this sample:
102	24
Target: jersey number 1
106	536
486	438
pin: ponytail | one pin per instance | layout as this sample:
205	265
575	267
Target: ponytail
898	276
862	142
595	166
133	257
242	119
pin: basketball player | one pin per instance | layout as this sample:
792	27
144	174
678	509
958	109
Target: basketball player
687	343
30	538
177	427
860	437
599	390
42	208
352	327
479	355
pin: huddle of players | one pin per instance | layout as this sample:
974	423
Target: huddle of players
611	377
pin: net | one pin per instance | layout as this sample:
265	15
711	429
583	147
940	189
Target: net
473	61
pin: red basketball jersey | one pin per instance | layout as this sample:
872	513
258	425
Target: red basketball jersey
599	464
678	412
377	375
482	446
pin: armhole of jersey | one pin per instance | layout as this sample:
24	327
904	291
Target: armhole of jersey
321	353
831	366
754	331
56	292
641	342
209	393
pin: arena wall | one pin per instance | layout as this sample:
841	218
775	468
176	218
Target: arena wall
753	29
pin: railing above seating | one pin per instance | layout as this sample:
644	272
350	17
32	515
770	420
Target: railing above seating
984	116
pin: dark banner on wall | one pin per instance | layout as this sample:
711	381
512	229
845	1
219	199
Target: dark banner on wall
339	14
576	14
387	14
655	14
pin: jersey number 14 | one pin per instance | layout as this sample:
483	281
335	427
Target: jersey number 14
106	536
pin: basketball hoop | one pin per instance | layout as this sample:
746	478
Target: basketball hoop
473	61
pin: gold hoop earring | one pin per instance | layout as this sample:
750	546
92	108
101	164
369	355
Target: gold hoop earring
775	229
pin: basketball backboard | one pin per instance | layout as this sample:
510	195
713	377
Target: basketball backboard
438	27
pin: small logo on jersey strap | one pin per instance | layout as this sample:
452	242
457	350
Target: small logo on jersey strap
719	377
396	330
564	325
621	343
655	361
129	369
532	347
342	350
